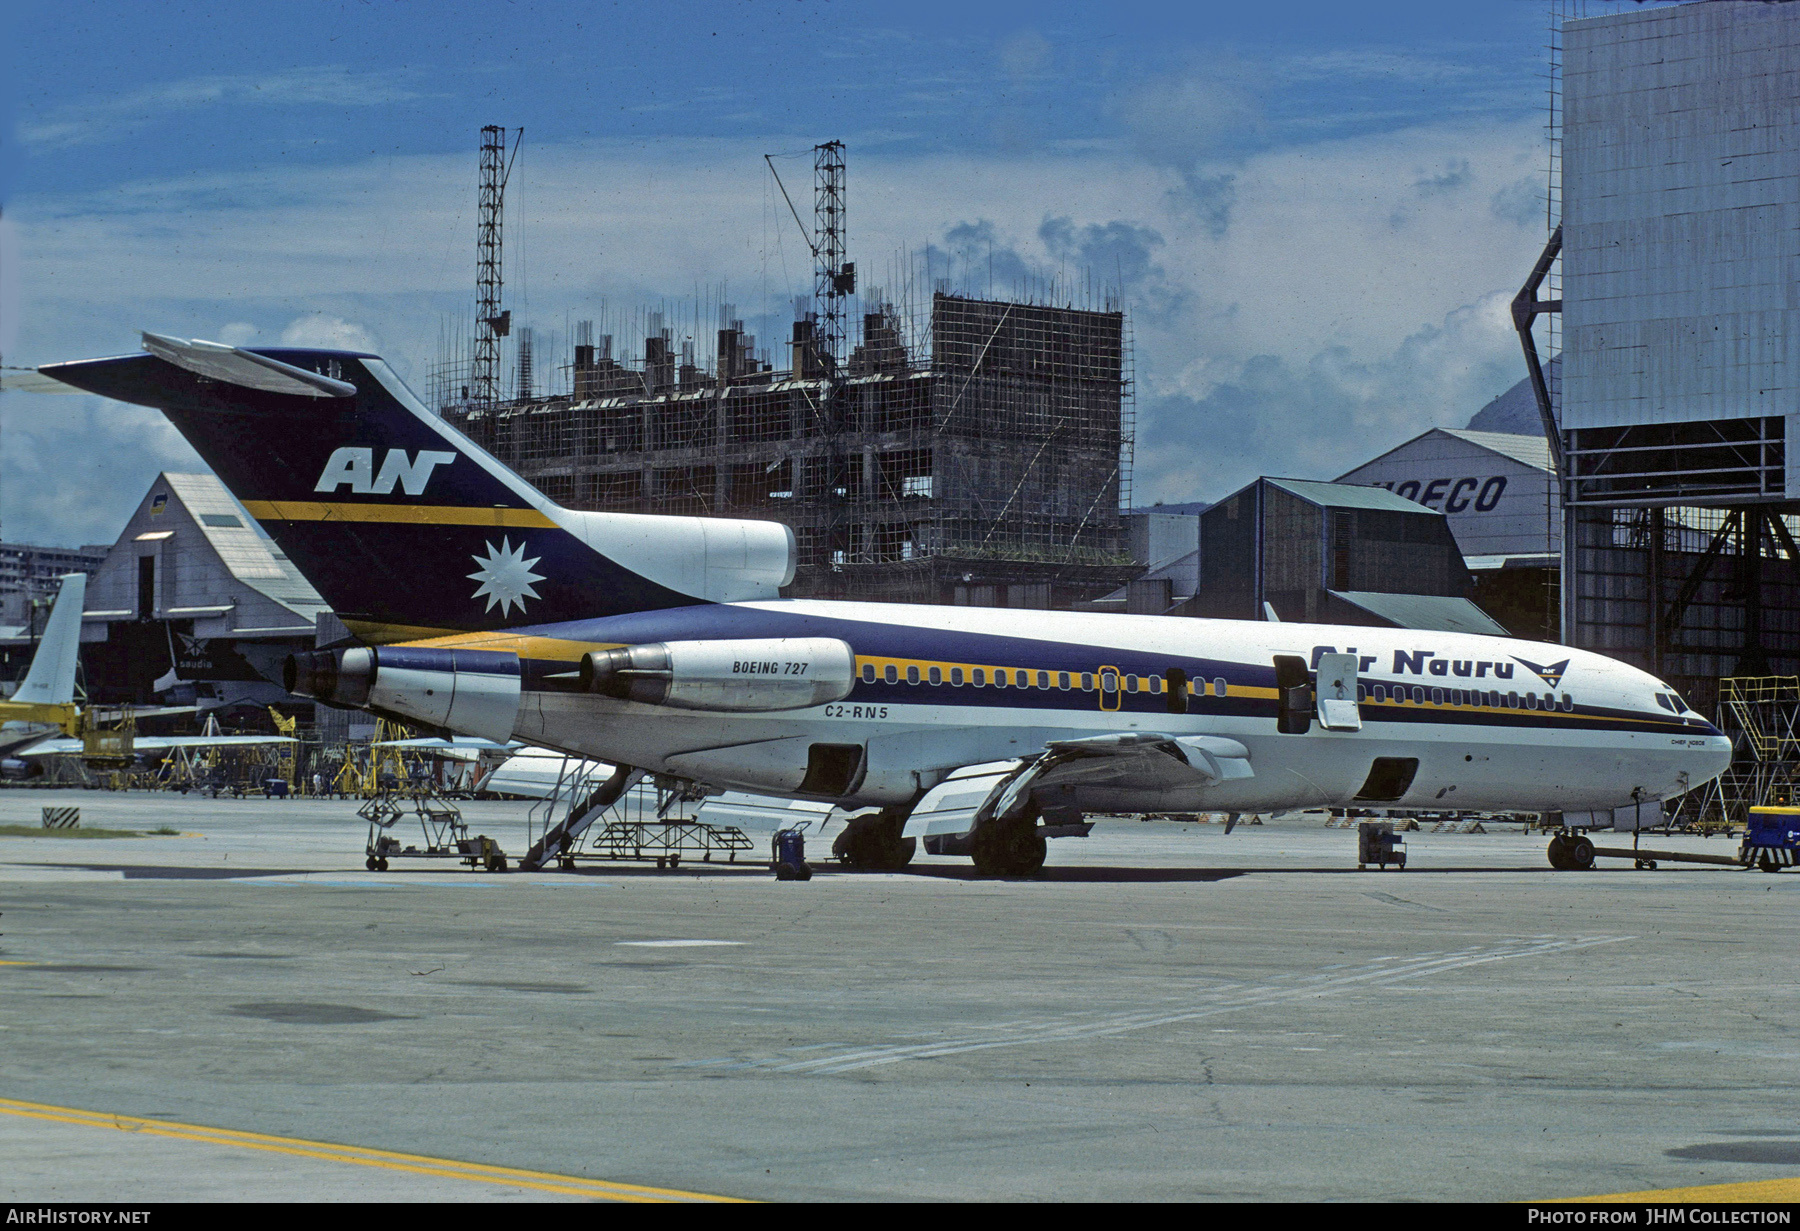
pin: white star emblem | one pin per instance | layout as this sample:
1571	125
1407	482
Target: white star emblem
505	576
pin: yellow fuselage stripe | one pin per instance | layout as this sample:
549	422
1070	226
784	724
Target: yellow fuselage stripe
557	649
361	1156
406	514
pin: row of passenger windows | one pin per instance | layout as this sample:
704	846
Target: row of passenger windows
1420	695
1154	685
1018	677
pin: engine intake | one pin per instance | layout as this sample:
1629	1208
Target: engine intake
475	692
748	676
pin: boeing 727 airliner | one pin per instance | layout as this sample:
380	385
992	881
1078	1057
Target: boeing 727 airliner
663	643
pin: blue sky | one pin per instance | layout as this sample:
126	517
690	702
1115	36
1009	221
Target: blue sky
1317	210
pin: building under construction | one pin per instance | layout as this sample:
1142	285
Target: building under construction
937	448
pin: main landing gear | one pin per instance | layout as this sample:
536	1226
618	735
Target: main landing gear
874	844
1012	847
1571	852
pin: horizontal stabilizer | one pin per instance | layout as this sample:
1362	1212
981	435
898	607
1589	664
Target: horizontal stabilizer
235	366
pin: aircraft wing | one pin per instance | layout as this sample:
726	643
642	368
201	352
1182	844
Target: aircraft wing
160	743
1142	760
18	380
539	774
457	748
17	738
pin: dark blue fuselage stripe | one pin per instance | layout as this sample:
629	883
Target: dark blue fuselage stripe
902	641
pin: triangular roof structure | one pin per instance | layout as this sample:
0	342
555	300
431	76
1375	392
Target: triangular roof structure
212	566
1533	451
1434	611
1349	496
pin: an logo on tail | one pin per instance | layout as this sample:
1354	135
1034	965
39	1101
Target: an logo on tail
357	468
1551	675
505	576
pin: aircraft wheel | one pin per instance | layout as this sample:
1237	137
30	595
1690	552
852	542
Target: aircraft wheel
369	863
874	843
381	864
1009	850
1581	854
1559	854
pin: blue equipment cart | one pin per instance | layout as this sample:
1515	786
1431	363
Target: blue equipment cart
1771	839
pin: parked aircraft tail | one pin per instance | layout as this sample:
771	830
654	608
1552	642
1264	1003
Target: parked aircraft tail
50	680
402	523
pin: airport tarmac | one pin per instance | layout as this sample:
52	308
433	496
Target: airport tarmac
243	1012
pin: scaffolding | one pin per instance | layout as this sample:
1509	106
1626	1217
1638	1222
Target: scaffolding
968	449
1761	714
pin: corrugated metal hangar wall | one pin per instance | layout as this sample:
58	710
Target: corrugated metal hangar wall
1681	245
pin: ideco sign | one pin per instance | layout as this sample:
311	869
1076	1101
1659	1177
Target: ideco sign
1456	495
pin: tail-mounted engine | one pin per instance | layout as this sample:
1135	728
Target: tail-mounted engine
776	673
475	692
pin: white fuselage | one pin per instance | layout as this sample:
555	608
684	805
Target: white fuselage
1495	724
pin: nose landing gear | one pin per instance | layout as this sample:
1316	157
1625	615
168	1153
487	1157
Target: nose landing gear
1571	852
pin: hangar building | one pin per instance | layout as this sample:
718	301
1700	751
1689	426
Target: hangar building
1680	312
1497	491
1332	553
193	602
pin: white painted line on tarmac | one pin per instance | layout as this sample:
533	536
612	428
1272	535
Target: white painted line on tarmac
675	944
1280	989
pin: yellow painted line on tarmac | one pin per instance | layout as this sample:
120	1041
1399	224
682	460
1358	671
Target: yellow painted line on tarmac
361	1156
18	963
1748	1192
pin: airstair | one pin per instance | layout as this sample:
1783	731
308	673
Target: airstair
637	820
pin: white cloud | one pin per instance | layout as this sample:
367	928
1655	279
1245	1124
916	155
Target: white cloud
9	285
108	118
328	333
74	467
1025	56
1181	119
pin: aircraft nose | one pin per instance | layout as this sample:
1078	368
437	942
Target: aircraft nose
1708	755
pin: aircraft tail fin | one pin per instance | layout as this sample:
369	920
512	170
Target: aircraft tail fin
404	525
50	680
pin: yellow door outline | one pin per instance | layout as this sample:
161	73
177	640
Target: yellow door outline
1117	693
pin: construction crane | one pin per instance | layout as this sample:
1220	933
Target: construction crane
834	278
491	322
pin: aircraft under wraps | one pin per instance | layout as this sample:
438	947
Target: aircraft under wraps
663	643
